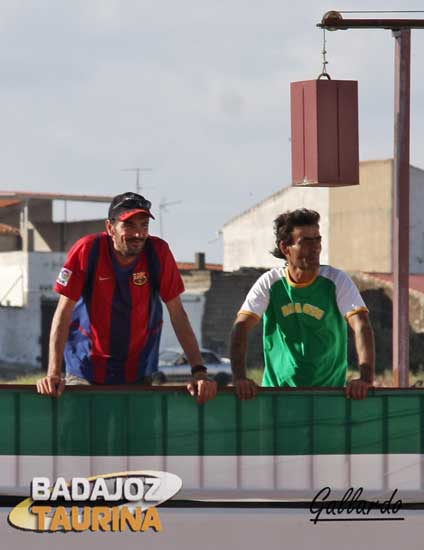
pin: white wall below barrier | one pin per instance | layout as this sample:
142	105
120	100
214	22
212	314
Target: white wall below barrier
237	477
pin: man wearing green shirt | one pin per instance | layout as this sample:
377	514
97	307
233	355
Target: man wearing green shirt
305	308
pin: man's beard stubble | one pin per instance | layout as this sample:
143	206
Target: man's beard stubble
129	252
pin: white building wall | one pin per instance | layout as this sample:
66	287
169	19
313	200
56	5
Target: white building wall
20	340
249	238
13	275
43	269
19	337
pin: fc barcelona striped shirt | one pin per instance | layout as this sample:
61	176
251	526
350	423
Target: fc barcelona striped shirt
117	320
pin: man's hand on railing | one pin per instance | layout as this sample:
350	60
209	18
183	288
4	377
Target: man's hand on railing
203	387
51	385
245	388
357	389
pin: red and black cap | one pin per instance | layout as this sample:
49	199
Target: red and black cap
128	204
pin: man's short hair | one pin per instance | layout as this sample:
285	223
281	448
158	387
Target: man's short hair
287	221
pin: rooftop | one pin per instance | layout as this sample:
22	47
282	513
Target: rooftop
11	198
188	266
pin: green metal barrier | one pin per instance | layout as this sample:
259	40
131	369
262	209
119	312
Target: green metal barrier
128	422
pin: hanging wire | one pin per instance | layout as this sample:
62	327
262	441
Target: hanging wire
324	58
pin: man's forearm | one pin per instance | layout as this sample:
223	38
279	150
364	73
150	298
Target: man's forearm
58	337
364	342
238	350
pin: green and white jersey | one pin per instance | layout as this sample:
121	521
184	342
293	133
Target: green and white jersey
305	329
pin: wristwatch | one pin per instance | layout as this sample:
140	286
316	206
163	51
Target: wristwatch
198	368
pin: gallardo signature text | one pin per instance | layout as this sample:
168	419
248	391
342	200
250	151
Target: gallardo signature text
351	503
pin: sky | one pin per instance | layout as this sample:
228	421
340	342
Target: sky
196	93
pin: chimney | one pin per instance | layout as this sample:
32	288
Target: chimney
199	260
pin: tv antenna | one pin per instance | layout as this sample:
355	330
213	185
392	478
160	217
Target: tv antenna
138	178
163	208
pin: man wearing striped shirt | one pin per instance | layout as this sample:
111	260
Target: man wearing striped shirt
306	308
108	321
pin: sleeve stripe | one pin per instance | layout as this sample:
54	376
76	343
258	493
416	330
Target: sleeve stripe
249	313
355	311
